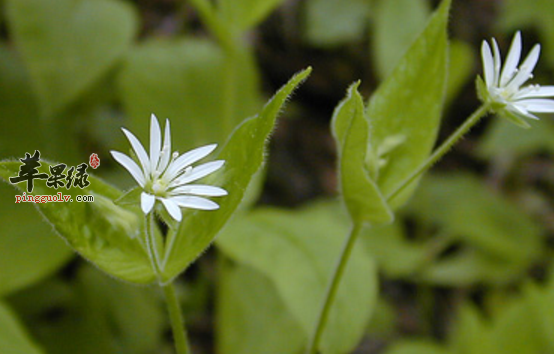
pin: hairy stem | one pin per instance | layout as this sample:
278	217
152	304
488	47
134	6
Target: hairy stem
332	288
151	244
441	150
177	320
338	272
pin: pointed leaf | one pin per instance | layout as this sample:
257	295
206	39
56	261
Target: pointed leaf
404	114
243	155
297	251
30	250
391	40
69	44
242	15
361	194
251	317
102	232
13	339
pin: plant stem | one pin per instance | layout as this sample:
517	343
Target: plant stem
351	239
333	287
151	244
441	150
176	318
208	15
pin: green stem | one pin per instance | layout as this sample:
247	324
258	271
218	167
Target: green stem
210	18
151	244
351	239
176	318
332	288
441	150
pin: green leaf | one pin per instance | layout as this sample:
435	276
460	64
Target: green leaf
64	315
69	44
30	251
391	40
102	232
297	251
498	238
503	138
360	193
416	347
251	317
460	68
404	113
18	109
330	23
13	339
471	333
244	155
185	80
397	257
514	328
242	15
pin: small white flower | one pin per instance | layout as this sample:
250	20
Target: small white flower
503	85
165	176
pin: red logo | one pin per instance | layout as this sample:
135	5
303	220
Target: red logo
94	161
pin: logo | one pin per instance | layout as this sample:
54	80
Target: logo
60	177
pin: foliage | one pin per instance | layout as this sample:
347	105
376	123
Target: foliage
460	258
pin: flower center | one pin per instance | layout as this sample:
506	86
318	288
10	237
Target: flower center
159	188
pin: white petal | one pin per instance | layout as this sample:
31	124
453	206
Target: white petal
139	150
526	68
200	171
155	142
195	202
172	208
200	189
521	112
512	60
166	149
147	202
497	62
187	159
488	66
130	166
535	92
539	105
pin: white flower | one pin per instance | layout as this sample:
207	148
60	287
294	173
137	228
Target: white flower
165	176
503	85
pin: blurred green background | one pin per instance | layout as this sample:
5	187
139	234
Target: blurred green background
466	268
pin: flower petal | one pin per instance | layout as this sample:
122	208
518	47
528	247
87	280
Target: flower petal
139	150
534	91
200	189
187	159
521	112
512	60
130	166
147	202
172	208
199	172
525	69
538	105
155	142
166	149
488	66
497	62
195	202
